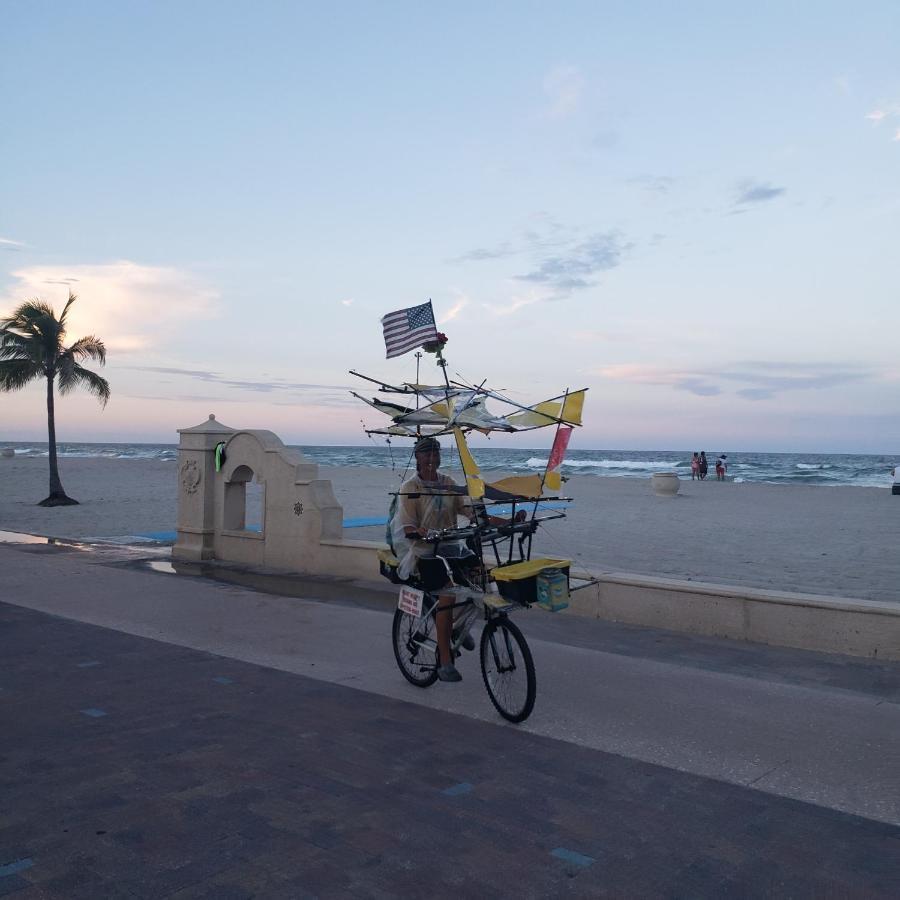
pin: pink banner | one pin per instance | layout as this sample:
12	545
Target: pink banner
559	447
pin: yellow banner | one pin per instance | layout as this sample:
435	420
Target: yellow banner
474	484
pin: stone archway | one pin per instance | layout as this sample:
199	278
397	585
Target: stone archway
302	522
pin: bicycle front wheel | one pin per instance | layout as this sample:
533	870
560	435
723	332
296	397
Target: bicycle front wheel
508	669
417	663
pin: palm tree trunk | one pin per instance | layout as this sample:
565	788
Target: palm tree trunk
57	494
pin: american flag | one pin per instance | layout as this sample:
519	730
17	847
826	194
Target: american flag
406	329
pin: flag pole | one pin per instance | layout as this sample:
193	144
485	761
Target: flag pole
418	358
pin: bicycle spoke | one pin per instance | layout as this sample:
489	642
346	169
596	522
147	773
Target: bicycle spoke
415	657
508	670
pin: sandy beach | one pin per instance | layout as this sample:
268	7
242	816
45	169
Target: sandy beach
839	541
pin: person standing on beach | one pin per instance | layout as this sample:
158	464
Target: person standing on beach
704	465
695	466
895	474
721	467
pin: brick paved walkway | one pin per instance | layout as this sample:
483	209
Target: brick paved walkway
132	768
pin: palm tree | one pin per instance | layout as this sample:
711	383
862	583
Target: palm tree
31	346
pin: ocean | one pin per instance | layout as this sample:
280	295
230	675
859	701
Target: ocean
834	469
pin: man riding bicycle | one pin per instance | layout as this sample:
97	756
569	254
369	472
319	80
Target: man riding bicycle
430	501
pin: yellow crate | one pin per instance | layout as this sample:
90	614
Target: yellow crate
528	568
517	582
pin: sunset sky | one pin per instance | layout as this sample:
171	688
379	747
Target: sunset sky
691	209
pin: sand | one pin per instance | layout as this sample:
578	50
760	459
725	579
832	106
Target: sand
839	541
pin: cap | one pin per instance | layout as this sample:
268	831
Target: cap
425	444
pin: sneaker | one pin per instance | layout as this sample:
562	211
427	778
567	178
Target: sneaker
449	672
468	641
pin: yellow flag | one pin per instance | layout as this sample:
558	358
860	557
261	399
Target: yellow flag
520	485
573	407
474	484
470	467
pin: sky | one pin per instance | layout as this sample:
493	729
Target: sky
692	209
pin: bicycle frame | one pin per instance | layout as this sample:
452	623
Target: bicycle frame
475	606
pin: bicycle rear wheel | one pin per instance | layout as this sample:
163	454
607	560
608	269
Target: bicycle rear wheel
417	663
508	669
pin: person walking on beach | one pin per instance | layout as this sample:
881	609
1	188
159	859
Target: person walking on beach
721	467
704	465
695	466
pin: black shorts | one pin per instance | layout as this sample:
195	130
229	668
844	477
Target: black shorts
433	572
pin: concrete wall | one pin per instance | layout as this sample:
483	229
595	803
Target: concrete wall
807	621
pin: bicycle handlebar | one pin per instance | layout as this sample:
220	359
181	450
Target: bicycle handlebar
485	531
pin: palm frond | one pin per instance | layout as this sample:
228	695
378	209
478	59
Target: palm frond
14	346
71	375
89	347
16	373
30	309
36	321
62	315
28	317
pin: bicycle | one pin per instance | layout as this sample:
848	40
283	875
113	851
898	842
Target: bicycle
507	665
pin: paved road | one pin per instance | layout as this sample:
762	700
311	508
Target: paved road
296	762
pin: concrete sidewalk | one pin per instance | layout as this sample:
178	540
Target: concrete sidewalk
140	768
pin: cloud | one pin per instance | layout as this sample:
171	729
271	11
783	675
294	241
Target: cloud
561	259
751	380
11	245
514	305
658	184
264	387
755	393
578	266
455	310
563	87
129	306
883	113
699	387
752	191
348	302
479	254
604	140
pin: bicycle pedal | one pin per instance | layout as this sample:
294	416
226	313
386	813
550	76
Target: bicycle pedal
498	603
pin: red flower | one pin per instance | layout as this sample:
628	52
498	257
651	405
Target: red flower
437	344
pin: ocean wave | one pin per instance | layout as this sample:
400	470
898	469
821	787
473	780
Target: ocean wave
862	470
536	462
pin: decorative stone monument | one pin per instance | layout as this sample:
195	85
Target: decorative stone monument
196	478
302	522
